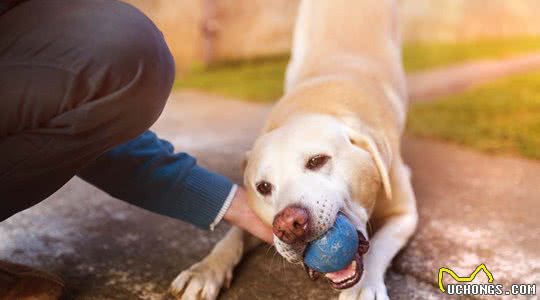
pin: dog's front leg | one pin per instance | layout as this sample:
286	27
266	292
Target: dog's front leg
388	240
204	279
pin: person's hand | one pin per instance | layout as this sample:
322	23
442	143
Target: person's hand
241	215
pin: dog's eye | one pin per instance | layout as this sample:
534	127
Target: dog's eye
264	188
316	162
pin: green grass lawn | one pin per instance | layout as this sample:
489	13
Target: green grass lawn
261	80
500	117
424	56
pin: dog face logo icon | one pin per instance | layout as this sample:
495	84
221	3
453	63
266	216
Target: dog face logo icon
457	278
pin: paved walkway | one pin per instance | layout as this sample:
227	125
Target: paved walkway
428	85
474	209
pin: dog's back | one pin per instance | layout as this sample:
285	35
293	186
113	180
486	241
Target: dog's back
355	37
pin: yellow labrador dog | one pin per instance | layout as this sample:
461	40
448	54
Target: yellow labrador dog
331	144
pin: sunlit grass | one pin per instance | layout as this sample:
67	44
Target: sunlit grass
421	56
261	80
500	117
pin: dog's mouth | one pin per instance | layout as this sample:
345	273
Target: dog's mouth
350	275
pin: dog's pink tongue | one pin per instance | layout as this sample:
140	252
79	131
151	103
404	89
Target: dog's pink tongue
344	274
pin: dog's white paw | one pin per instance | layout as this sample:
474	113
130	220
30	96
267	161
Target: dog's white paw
203	280
366	290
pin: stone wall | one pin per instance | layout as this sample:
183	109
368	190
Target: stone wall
252	27
179	20
454	20
201	31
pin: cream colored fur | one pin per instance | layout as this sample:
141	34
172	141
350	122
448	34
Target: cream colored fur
345	97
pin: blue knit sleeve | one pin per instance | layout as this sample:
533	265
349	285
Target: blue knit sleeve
147	173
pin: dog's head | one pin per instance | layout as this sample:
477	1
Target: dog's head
300	175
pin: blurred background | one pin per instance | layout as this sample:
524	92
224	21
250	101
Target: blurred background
239	48
207	31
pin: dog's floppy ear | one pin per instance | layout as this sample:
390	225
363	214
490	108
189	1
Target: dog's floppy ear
245	161
381	154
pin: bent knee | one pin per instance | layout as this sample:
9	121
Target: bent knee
130	60
125	37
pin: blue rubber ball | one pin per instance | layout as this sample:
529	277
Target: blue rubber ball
334	250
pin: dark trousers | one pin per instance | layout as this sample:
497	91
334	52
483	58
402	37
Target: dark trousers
77	78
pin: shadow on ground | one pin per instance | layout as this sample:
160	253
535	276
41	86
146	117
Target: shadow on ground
473	209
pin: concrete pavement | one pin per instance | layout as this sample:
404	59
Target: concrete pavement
474	208
429	85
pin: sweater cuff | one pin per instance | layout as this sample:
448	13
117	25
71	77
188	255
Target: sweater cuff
225	207
206	195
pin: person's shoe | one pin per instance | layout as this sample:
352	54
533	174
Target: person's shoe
18	282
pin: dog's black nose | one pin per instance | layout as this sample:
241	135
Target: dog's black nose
291	224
